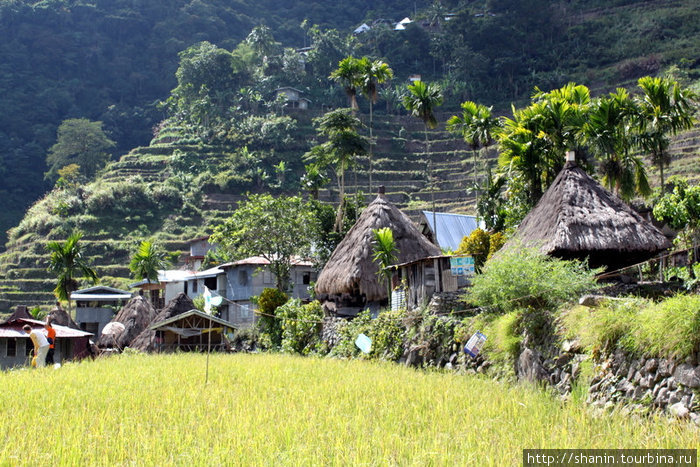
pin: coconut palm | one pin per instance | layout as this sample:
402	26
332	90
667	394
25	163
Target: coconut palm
385	254
67	262
348	74
664	108
373	73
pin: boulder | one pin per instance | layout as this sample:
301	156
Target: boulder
679	410
529	366
687	375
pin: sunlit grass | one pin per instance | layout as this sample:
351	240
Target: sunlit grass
282	410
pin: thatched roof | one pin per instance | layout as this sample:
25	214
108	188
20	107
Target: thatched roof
59	316
145	341
578	218
350	269
136	315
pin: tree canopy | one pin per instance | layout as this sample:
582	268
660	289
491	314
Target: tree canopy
279	229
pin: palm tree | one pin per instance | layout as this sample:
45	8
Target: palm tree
385	254
348	74
373	73
67	262
421	102
476	126
664	108
146	262
341	149
610	132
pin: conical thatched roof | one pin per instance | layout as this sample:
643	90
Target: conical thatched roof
136	315
19	313
59	316
350	269
145	341
578	218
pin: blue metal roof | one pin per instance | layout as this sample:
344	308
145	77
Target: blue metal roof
451	228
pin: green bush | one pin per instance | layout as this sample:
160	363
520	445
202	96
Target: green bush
301	326
523	277
346	348
269	324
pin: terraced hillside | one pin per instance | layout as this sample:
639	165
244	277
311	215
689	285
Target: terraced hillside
143	196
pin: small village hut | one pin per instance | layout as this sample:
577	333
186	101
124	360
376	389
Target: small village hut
349	281
136	316
146	341
579	219
193	330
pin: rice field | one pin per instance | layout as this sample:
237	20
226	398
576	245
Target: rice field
284	410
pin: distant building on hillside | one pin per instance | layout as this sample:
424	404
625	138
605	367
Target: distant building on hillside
293	98
96	306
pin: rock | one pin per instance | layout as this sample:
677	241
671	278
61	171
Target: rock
687	375
666	367
529	366
592	300
646	382
662	397
679	410
572	346
638	393
637	377
651	365
674	398
574	370
563	360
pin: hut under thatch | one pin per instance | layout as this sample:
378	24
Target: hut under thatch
136	315
146	340
579	219
349	281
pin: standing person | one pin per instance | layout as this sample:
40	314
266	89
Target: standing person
51	337
41	345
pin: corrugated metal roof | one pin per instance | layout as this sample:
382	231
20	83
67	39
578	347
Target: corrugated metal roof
451	228
169	275
101	288
211	272
260	261
15	330
100	297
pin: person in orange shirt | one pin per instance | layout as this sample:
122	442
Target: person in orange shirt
51	337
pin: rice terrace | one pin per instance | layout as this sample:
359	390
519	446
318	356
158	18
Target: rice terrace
285	410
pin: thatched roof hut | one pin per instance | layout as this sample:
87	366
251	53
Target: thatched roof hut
136	315
59	316
146	340
578	218
349	278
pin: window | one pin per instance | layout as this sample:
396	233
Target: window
12	347
306	278
243	277
210	283
194	286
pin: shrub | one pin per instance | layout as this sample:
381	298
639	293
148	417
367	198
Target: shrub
387	335
360	324
525	278
301	326
269	325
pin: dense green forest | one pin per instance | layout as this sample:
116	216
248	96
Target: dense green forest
114	61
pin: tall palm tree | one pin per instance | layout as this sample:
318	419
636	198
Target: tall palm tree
67	262
349	75
385	254
609	130
664	108
374	73
340	151
476	126
421	101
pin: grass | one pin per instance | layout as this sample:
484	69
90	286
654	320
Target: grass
282	410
